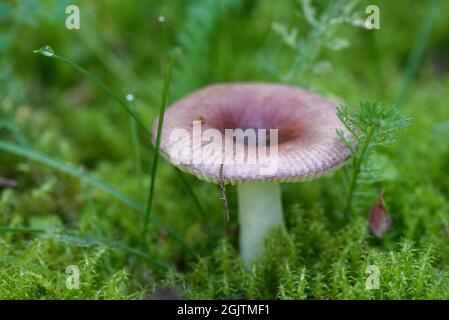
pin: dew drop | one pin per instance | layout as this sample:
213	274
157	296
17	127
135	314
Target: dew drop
129	97
46	51
161	19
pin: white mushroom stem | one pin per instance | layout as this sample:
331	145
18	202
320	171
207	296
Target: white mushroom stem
260	210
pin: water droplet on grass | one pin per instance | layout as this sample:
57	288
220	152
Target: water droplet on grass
46	51
130	97
161	19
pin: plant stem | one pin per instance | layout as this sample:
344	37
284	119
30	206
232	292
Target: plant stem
260	210
357	167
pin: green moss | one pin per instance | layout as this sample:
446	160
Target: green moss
52	220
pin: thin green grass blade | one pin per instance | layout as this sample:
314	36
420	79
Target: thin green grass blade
195	200
76	172
167	81
15	130
48	52
22	230
420	43
137	155
91	240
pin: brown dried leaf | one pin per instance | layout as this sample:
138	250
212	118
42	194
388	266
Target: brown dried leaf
379	219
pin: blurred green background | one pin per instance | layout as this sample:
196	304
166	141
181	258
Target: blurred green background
51	219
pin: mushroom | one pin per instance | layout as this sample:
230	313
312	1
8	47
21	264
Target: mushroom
299	128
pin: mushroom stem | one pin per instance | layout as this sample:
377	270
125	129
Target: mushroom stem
260	210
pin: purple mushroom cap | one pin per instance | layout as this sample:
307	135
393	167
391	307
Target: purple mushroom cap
308	142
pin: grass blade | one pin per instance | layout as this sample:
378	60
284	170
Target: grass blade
76	172
415	56
15	130
137	155
195	200
48	52
111	244
45	52
167	80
